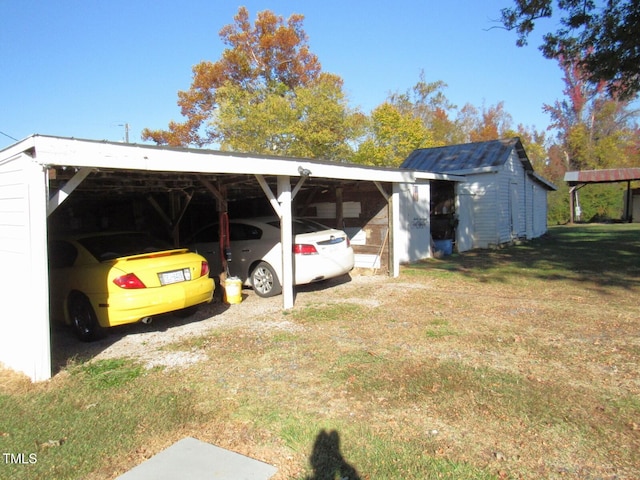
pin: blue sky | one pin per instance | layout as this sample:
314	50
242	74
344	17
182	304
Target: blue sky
84	68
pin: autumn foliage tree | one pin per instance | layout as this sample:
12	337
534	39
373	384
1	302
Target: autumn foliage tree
267	93
595	127
445	123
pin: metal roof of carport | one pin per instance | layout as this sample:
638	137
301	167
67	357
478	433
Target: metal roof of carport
24	187
610	175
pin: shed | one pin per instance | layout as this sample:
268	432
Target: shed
501	200
38	174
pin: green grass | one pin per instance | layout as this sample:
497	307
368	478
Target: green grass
103	409
439	328
110	373
515	363
323	312
608	254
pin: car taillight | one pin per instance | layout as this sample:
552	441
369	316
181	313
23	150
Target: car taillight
204	269
129	281
348	242
304	249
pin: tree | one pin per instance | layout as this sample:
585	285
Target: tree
595	128
608	33
392	136
308	121
534	143
446	124
492	124
269	57
427	101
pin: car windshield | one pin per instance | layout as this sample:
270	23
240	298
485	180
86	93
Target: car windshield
303	225
110	246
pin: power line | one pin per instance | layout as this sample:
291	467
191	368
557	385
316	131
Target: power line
9	136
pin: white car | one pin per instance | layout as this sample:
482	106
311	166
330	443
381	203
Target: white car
319	252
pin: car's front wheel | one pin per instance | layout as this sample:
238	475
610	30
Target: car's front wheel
265	281
83	318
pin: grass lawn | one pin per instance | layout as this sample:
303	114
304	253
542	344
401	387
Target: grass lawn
522	362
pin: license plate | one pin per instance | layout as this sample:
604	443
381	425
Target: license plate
174	276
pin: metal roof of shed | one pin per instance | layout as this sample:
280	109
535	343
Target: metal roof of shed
472	158
611	175
477	157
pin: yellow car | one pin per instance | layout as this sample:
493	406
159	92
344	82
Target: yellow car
102	280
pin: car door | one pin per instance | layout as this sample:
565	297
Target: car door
206	243
247	247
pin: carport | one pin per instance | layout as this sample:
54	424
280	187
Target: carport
582	178
38	174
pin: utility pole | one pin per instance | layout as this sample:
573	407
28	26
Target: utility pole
126	131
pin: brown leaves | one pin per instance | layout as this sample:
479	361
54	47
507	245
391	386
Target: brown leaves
272	51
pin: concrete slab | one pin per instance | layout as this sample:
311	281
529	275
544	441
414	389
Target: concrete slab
195	460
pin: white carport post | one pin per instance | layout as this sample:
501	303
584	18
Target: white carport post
395	246
286	239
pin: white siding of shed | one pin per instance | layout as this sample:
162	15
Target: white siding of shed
477	204
25	343
529	205
504	208
414	238
512	199
539	207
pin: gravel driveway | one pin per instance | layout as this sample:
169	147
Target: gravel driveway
146	342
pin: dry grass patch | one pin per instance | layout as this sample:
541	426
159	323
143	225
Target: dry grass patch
518	363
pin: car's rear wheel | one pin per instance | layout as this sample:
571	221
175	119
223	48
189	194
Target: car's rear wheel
83	318
265	281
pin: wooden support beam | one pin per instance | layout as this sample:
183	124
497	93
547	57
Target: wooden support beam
220	196
296	189
301	209
272	198
339	208
173	219
629	203
572	205
163	215
382	191
66	190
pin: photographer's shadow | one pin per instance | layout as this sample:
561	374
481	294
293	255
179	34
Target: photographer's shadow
327	460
